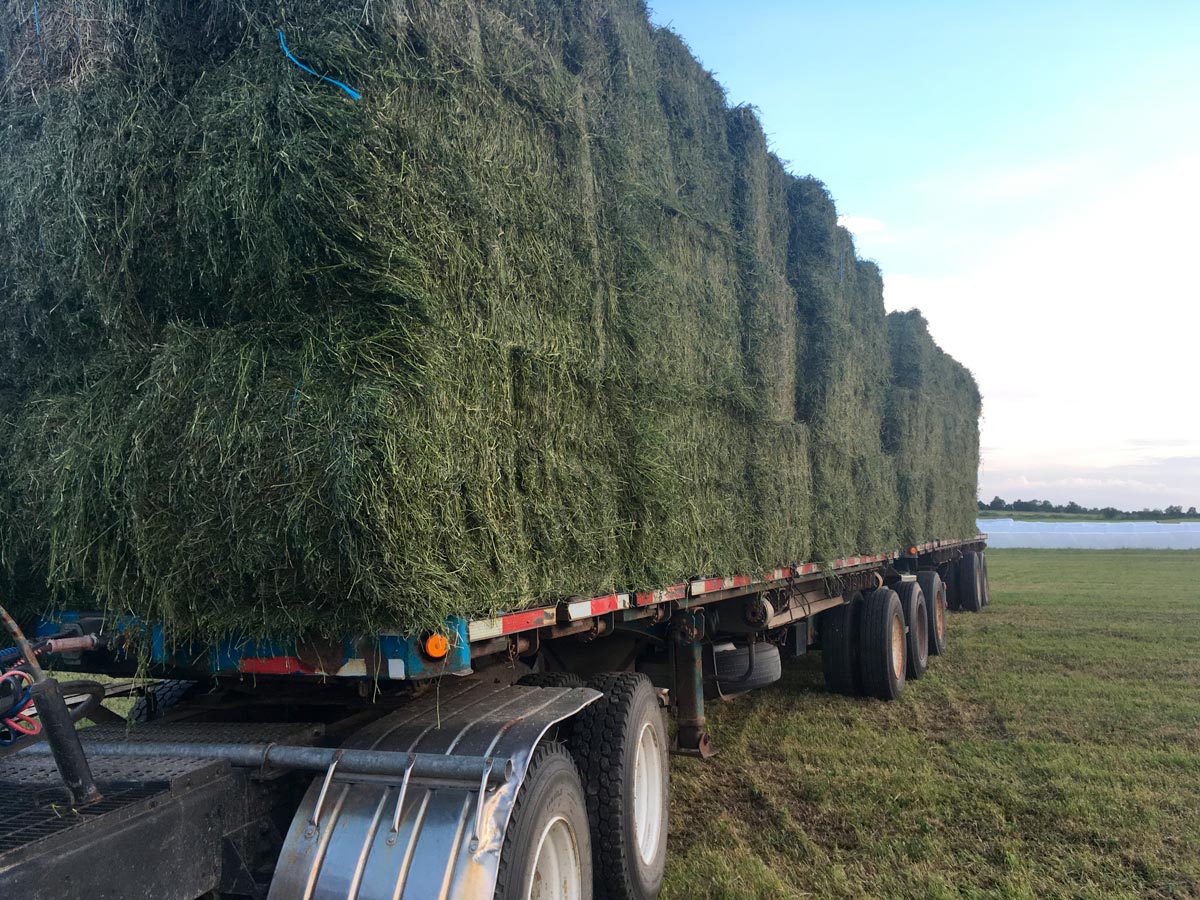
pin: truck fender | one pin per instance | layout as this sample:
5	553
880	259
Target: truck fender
366	837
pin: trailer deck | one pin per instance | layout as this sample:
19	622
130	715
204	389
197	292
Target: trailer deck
393	657
354	770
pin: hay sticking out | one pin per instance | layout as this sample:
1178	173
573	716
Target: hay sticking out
539	316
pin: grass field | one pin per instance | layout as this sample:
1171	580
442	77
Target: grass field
1055	752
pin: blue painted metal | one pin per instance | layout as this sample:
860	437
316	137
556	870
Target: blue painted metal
390	656
418	666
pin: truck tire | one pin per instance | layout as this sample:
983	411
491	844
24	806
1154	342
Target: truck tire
158	700
947	573
734	673
882	644
551	679
987	587
969	581
916	619
620	744
839	646
547	850
934	590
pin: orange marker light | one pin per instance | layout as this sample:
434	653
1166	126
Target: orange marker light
912	551
436	646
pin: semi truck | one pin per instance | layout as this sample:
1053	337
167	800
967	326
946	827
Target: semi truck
520	756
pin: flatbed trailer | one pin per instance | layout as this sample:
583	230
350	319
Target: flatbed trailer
518	756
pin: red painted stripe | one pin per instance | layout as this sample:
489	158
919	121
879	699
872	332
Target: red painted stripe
273	665
742	580
664	595
602	605
534	618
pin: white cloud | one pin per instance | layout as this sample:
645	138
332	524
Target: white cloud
1013	185
867	230
861	225
1082	330
1158	484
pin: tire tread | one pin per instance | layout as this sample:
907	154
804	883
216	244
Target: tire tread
599	736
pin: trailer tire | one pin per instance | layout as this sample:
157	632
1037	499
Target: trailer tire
883	644
158	700
733	671
551	679
987	587
840	647
620	744
947	573
969	581
916	619
547	840
934	590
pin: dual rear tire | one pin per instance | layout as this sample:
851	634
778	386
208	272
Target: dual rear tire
934	590
970	583
884	645
864	645
546	853
618	750
916	618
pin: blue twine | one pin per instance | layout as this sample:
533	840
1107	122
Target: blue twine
354	95
296	394
37	30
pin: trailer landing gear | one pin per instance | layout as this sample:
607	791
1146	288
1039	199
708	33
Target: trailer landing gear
691	736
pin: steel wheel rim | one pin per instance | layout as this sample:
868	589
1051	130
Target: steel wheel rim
647	793
898	646
922	627
557	869
940	613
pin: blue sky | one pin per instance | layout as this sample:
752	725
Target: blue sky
1028	174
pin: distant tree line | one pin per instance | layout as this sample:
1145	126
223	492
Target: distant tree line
999	504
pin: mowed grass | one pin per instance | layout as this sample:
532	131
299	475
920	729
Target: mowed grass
1054	752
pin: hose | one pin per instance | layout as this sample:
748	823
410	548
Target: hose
55	720
27	653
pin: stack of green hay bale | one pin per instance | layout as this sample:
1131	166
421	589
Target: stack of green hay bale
537	316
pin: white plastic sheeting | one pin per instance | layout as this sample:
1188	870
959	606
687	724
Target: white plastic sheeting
1091	535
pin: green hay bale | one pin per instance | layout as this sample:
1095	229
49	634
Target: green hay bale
931	424
846	359
539	316
310	481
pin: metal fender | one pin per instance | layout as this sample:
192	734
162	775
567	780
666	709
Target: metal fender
409	836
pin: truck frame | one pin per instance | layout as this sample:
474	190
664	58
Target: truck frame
524	755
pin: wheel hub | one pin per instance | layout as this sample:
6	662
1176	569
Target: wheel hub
557	870
647	793
898	646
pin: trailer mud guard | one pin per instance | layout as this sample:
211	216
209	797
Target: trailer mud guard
413	837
